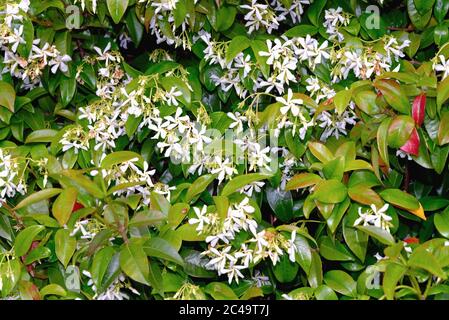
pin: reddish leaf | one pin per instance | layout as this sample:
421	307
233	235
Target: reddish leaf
411	240
412	145
77	206
419	109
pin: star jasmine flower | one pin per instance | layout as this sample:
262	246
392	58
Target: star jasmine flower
201	218
290	104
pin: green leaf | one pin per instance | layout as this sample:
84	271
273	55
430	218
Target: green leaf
320	151
442	92
380	234
188	232
25	238
135	28
37	197
285	271
237	45
65	246
281	202
117	9
419	20
324	292
394	94
199	185
118	157
43	135
382	140
100	263
315	275
10	275
53	289
441	34
77	179
147	218
366	101
400	130
8	96
258	46
68	89
421	258
222	19
330	191
173	82
134	262
63	205
222	205
301	30
334	251
177	213
315	10
160	248
335	169
441	222
356	240
302	180
155	277
364	195
37	254
443	130
240	181
341	100
341	282
195	265
220	291
423	6
400	199
440	9
393	273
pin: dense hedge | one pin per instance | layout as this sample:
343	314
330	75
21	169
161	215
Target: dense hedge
224	149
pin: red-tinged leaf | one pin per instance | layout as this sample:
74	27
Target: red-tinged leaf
412	145
410	240
77	206
394	94
419	109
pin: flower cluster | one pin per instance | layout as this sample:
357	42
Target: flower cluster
12	179
258	246
22	60
366	62
376	217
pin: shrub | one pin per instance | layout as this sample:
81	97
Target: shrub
227	149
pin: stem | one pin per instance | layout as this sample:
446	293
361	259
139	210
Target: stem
417	287
408	29
13	214
428	286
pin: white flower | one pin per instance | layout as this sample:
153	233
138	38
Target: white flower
243	63
292	249
260	241
104	55
250	188
233	272
170	96
225	169
375	217
220	258
59	62
290	104
260	15
124	40
163	5
238	121
443	66
201	218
